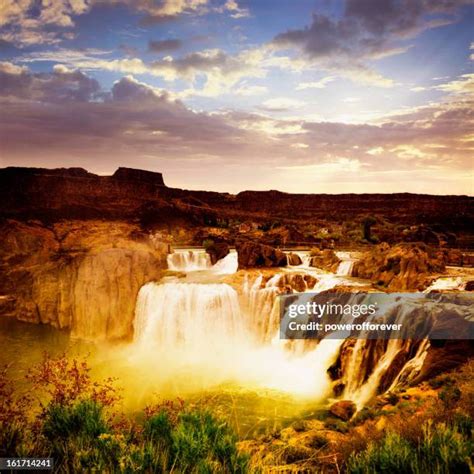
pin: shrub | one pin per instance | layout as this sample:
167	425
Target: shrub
441	449
84	419
392	454
318	441
441	381
75	424
201	439
450	395
66	381
367	413
444	450
194	442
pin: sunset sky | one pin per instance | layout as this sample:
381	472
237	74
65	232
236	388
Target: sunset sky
301	96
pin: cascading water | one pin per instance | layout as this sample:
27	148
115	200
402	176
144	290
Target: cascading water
187	315
234	334
346	265
226	265
204	326
447	283
188	260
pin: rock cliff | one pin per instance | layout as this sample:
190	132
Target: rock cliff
401	267
76	275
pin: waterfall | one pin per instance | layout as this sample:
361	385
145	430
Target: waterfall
198	260
227	265
371	366
347	262
360	385
447	283
261	308
188	260
188	314
208	330
233	334
345	268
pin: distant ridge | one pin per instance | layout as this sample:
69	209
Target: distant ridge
133	194
122	174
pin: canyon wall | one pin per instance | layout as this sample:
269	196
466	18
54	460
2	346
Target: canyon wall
76	193
82	276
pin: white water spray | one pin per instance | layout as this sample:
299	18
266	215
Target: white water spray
188	260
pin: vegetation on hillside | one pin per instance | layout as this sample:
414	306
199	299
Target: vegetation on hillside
78	421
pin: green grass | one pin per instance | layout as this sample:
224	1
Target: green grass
81	438
442	449
79	424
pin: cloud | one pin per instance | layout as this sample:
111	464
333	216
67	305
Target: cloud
61	85
235	10
70	121
281	104
220	71
366	31
338	164
247	90
128	50
351	100
462	85
28	22
171	44
321	84
72	57
12	69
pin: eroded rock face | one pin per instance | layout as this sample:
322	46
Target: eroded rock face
443	356
71	276
251	254
325	259
401	267
217	251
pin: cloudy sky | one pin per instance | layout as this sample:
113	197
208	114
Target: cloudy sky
313	96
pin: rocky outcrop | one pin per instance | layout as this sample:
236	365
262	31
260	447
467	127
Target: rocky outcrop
343	409
130	174
324	259
299	282
443	356
79	276
251	254
401	267
294	259
217	251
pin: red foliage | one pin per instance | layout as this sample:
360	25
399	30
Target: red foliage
172	408
66	381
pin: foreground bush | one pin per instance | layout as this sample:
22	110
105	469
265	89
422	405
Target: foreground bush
441	450
76	422
196	443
